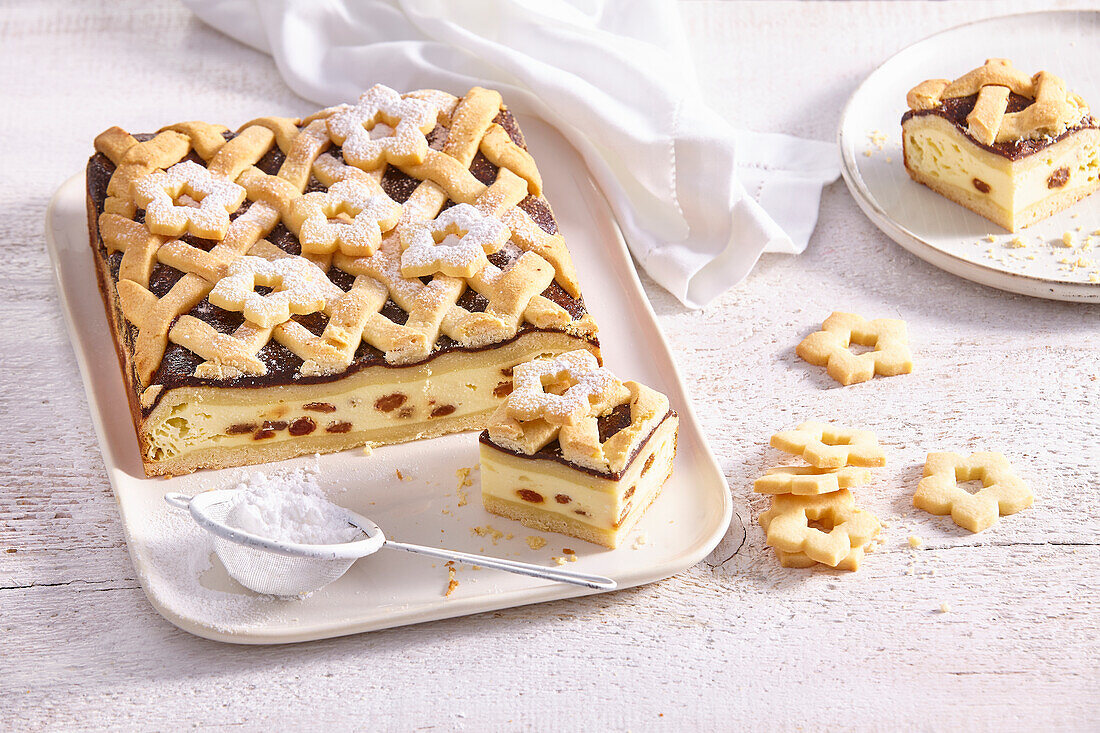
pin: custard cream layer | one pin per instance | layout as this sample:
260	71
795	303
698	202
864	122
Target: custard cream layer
454	384
935	147
544	485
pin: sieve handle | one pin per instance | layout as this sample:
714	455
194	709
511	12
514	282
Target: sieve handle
179	501
597	582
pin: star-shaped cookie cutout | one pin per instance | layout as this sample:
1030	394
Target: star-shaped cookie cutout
563	390
843	527
809	480
1002	492
187	199
830	446
383	127
299	287
454	243
802	560
350	216
830	348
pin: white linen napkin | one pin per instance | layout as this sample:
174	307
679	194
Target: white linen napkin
697	200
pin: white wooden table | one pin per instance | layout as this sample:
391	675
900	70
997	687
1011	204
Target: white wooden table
743	644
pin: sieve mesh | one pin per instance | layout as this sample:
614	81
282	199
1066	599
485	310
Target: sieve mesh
264	571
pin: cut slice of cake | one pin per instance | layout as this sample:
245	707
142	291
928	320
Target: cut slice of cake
369	274
574	450
1010	147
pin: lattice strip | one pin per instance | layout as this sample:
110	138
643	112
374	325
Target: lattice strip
204	138
138	245
513	294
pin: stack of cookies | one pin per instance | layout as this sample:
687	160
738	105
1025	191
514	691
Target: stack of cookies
813	517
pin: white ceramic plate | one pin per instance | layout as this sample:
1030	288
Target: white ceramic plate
191	589
944	233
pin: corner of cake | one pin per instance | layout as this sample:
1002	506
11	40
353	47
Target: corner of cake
574	450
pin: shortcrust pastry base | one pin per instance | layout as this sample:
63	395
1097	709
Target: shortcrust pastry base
607	521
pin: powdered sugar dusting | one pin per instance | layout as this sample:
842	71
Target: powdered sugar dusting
530	400
289	507
409	118
179	556
454	243
386	262
301	287
216	198
373	213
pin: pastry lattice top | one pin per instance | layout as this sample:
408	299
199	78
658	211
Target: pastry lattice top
1052	111
564	399
196	198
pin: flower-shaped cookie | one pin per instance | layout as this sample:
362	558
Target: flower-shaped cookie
809	481
455	243
844	527
802	560
1002	492
299	288
563	390
383	127
350	216
829	446
187	198
829	348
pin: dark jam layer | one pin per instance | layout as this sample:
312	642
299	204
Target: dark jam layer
608	425
956	111
178	364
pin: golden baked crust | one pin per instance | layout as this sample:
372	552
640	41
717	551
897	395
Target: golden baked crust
563	399
1053	111
373	236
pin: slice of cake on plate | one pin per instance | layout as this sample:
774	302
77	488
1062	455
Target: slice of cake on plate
576	451
1011	147
369	274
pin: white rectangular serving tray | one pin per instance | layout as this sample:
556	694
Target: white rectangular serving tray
187	584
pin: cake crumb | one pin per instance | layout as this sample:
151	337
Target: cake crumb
945	607
641	540
509	536
1067	239
915	541
368	450
399	476
463	498
1016	243
568	551
866	153
535	542
463	476
559	560
488	531
990	238
452	583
